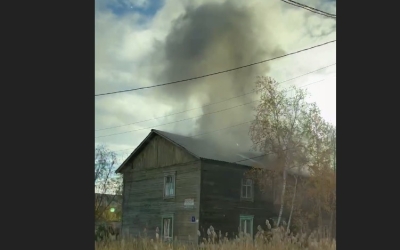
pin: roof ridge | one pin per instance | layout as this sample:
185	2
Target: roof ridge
156	130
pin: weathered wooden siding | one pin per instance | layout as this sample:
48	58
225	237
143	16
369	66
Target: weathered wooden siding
160	152
143	203
221	205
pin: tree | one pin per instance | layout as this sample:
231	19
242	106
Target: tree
281	129
292	203
319	188
321	191
107	184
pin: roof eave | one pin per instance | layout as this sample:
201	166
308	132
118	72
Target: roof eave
118	171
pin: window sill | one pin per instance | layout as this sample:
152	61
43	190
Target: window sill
247	199
169	197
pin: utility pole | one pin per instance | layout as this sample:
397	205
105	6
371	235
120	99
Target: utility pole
334	151
334	154
333	213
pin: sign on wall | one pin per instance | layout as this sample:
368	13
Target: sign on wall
188	203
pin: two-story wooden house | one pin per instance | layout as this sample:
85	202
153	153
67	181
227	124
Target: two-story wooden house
177	187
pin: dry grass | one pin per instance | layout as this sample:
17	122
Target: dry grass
273	241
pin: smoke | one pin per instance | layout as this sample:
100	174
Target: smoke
209	38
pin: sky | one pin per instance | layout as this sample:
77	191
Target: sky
141	43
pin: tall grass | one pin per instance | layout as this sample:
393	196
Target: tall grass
273	240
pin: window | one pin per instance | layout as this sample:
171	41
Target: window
169	185
247	189
167	228
246	224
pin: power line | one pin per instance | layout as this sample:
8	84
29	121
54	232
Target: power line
179	120
229	126
198	116
212	131
306	7
124	149
252	158
214	102
216	73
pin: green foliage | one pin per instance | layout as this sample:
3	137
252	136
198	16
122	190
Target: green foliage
292	132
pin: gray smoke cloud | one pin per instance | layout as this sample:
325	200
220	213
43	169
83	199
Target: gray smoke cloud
209	38
200	39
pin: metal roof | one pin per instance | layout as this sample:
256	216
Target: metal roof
205	149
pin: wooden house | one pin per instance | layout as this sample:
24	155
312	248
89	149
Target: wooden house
176	187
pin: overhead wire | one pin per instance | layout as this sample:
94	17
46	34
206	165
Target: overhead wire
235	125
220	72
306	7
210	104
179	120
216	73
125	132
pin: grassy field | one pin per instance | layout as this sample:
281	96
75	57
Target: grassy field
275	241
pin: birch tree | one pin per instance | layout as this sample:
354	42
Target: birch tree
281	127
319	189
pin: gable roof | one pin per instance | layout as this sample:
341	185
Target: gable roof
202	149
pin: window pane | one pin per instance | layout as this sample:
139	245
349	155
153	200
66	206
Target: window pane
248	182
243	191
166	228
242	226
249	192
167	189
169	185
248	226
170	229
171	189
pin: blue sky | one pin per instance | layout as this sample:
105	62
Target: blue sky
124	7
150	7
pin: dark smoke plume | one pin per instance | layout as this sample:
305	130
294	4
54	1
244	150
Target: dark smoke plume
210	38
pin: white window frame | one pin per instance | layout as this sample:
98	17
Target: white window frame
166	175
246	218
244	184
168	238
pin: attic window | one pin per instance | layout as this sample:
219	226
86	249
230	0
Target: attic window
169	185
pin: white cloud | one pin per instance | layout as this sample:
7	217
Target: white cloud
124	46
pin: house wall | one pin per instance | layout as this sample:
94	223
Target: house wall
143	202
221	205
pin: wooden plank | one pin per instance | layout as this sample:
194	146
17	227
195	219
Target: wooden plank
221	205
144	204
159	152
